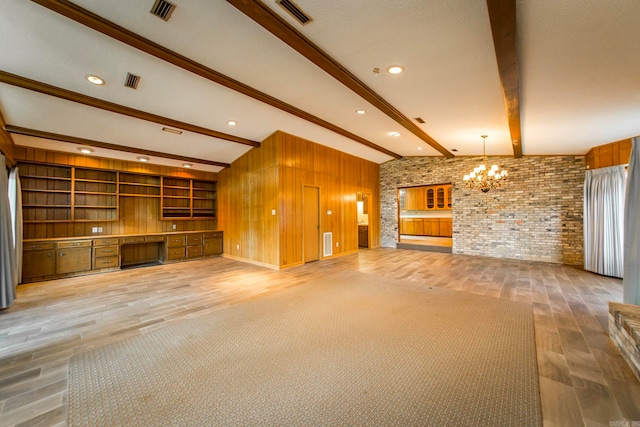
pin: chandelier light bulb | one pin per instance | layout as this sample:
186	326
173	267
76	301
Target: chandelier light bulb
483	179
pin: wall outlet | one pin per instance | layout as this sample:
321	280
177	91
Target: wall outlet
273	211
337	244
329	212
173	226
94	229
99	229
237	246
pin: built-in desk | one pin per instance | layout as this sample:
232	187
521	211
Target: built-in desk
56	258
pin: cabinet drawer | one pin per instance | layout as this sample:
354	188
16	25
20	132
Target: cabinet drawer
38	246
104	251
194	251
176	240
105	242
150	239
74	244
194	239
175	253
106	262
212	234
134	239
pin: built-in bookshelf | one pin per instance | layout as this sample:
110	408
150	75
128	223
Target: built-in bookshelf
75	194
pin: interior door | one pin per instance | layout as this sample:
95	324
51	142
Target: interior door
311	226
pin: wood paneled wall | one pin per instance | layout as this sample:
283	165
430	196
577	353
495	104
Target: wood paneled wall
273	177
612	154
137	214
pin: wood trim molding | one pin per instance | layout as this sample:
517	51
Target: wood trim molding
6	143
502	15
280	28
127	37
68	95
98	144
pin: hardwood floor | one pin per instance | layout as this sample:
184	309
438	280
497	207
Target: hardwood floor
583	378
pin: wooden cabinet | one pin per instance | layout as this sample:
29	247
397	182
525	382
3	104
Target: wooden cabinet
430	197
38	260
50	259
73	256
363	236
212	243
106	253
438	227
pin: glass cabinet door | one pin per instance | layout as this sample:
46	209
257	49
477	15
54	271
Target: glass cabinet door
440	195
430	198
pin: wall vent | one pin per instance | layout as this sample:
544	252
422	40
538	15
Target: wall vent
295	11
419	120
327	244
162	9
132	81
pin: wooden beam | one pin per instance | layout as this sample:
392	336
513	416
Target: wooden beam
280	28
98	144
502	15
6	143
47	89
108	28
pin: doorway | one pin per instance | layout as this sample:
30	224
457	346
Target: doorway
311	224
363	200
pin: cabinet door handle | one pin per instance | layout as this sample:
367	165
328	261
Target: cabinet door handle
49	255
61	253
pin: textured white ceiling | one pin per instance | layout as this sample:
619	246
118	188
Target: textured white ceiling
578	66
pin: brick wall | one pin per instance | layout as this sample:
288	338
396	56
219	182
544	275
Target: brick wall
538	217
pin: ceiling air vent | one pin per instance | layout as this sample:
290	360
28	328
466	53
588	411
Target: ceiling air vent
132	81
419	120
295	11
163	9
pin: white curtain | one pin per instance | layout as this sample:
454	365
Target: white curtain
603	220
15	204
631	282
7	253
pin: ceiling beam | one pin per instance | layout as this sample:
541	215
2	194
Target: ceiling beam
108	28
98	144
68	95
280	28
502	15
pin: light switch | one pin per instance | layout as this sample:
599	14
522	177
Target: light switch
329	212
273	211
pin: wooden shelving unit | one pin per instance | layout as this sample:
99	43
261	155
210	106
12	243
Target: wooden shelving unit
176	198
95	195
138	185
75	194
46	193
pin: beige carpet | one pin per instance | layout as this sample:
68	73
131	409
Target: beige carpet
351	349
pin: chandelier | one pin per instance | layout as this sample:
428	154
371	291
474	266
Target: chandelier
484	179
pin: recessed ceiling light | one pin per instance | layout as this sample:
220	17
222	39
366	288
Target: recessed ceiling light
187	165
394	133
232	123
395	69
143	159
95	80
176	131
85	150
419	148
361	111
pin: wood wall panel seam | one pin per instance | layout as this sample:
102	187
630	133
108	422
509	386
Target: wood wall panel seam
79	98
110	29
272	22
